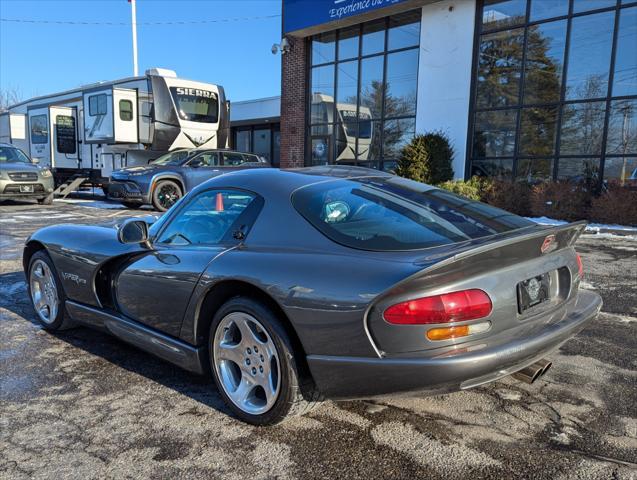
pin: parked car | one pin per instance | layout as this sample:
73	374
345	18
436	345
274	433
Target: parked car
21	178
327	282
168	178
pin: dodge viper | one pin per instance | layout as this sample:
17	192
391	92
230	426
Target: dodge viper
290	287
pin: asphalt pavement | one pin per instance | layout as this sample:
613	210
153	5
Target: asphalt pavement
81	404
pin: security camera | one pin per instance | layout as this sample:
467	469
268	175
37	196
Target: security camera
284	46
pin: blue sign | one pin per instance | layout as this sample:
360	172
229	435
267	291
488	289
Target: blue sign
300	14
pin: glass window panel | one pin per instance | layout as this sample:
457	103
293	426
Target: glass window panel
535	169
346	134
202	221
625	76
348	43
494	133
371	93
321	142
322	101
369	133
544	62
404	30
582	128
589	56
323	48
537	135
39	129
503	13
276	148
242	140
373	37
543	9
262	142
401	83
621	170
586	5
578	169
499	66
501	168
347	85
622	128
396	134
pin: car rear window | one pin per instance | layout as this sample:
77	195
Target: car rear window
392	213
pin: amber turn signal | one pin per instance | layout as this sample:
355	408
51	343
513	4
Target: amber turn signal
447	333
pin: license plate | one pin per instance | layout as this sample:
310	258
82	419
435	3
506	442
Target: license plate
26	188
533	292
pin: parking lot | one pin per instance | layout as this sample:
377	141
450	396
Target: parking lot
81	404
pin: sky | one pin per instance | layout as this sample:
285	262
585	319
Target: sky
39	58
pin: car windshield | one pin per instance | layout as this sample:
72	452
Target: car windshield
12	154
172	158
393	213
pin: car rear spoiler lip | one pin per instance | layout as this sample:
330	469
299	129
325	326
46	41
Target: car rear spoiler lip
470	250
487	245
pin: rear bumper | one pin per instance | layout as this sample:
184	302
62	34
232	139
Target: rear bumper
466	367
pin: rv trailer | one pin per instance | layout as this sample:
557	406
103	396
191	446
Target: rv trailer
92	130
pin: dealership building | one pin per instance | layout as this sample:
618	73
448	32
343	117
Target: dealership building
527	89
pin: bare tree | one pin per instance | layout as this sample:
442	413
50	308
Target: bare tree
8	97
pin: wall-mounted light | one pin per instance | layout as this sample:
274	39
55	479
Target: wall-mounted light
285	46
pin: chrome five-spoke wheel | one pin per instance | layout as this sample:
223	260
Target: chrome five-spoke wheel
44	292
247	363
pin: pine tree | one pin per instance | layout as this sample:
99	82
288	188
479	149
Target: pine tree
427	159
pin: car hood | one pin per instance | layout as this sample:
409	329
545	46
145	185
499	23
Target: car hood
19	167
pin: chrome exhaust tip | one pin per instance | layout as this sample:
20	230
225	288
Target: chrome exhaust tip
546	365
534	371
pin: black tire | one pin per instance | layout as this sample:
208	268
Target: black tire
48	200
297	394
60	321
133	205
165	194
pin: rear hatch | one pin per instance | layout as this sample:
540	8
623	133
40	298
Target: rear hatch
530	275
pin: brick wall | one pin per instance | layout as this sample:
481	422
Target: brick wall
293	104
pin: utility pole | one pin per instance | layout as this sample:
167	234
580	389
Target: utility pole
134	25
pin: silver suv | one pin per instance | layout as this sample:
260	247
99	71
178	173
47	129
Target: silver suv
20	178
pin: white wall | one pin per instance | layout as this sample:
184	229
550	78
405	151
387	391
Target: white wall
255	109
444	73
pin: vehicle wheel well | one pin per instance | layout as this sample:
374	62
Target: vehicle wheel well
29	250
226	290
173	179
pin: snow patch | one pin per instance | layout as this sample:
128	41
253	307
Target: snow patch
94	203
597	229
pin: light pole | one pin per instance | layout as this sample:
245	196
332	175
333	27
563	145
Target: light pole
134	25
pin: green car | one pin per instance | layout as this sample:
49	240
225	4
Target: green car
20	178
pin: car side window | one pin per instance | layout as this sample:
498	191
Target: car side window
232	159
209	159
206	219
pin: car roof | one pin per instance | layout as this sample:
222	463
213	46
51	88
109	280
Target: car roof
273	182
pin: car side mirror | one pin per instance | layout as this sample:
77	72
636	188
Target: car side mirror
35	161
133	231
196	163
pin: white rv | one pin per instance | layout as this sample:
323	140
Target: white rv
95	129
348	130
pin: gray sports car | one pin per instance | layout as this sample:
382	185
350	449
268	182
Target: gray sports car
331	282
168	178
